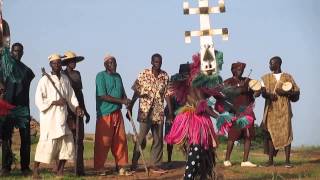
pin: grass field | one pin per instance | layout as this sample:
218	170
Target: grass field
306	161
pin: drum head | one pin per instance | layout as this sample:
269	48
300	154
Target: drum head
255	85
287	86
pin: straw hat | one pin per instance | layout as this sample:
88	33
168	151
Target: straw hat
68	56
54	57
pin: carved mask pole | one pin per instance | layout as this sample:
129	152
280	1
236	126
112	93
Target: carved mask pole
208	59
4	30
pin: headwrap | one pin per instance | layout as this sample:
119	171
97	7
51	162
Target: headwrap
108	57
238	65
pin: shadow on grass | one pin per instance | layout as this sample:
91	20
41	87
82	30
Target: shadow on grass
273	176
174	165
44	173
317	161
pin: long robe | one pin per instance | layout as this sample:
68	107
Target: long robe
53	119
278	114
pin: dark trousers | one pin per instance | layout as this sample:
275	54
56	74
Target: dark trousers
6	133
7	155
157	144
25	146
79	143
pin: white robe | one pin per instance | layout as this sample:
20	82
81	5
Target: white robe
53	119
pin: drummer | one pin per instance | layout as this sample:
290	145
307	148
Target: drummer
242	102
278	88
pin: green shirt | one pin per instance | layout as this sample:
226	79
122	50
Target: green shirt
108	84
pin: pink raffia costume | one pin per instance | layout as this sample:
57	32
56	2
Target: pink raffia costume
192	123
192	127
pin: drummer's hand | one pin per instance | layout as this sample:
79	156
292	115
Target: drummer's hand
291	93
281	92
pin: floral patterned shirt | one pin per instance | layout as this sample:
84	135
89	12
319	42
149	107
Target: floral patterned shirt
152	91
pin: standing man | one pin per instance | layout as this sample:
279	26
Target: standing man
277	111
244	98
18	95
151	88
70	59
110	131
56	140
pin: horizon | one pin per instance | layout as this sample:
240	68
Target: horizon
133	31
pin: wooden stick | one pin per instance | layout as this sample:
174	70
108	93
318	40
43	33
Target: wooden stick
54	86
139	145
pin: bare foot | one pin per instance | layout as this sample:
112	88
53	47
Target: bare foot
36	175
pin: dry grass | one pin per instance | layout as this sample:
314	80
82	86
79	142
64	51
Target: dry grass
306	161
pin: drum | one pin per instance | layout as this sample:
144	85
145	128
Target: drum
255	85
286	86
4	34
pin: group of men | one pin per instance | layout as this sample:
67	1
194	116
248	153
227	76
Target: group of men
61	104
277	113
151	88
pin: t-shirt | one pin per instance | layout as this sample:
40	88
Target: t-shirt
277	76
108	84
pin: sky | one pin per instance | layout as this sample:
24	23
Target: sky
134	30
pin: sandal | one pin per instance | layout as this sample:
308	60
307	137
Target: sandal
288	165
125	172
